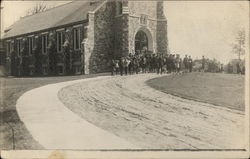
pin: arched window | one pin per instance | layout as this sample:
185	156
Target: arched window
119	7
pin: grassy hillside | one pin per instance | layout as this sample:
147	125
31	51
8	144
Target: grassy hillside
225	90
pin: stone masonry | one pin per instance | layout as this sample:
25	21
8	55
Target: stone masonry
108	33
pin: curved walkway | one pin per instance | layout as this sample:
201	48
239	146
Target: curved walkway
125	106
56	127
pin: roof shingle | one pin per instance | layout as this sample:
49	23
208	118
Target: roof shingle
65	14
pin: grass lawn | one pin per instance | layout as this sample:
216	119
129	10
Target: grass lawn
225	90
11	89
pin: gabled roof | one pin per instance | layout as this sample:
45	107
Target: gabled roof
62	15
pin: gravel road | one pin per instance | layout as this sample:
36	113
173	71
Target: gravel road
148	118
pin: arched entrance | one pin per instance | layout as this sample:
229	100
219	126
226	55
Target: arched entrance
143	41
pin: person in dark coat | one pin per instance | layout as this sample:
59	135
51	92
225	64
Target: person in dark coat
116	67
121	66
143	64
238	65
177	63
190	64
131	65
159	63
136	64
126	65
168	63
203	62
185	62
172	62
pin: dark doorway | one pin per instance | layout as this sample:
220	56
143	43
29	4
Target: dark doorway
141	41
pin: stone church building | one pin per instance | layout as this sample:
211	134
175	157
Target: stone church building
82	37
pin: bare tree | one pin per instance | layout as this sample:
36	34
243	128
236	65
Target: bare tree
39	7
239	45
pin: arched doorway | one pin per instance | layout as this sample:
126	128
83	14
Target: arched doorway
141	41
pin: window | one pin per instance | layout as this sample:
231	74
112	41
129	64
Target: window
19	46
31	44
44	43
77	40
77	70
60	41
8	47
119	8
143	19
35	41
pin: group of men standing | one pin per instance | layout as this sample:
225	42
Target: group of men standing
151	63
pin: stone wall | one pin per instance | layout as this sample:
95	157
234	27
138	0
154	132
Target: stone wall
121	36
118	36
128	24
149	29
155	28
100	43
136	9
162	39
162	33
143	7
105	36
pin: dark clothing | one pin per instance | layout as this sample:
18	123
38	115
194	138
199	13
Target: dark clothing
131	67
172	67
185	61
190	65
203	64
238	68
159	65
121	67
168	63
112	67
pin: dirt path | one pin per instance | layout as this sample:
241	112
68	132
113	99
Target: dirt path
128	108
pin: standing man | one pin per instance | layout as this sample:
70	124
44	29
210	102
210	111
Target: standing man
131	65
177	63
136	64
159	64
168	63
173	63
238	65
181	65
116	67
185	61
126	65
221	68
121	64
203	61
154	63
112	67
190	64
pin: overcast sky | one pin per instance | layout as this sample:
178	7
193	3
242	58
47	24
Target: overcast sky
194	27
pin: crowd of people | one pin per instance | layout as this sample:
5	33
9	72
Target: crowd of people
151	63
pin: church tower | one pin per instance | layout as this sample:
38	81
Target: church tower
162	39
140	26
